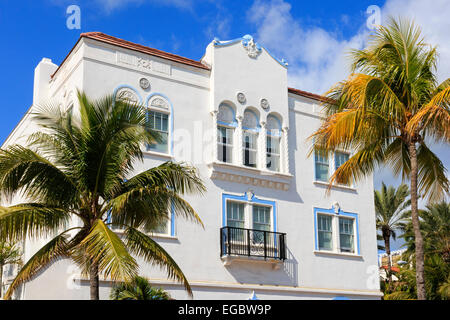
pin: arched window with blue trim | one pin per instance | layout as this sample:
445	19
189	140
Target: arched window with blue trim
158	117
250	129
226	123
273	152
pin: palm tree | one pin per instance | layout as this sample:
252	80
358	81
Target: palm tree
9	254
435	229
137	289
79	167
387	111
389	208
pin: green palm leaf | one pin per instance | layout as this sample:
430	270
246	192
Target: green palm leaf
104	248
145	247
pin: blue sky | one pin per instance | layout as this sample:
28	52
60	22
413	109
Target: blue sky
313	36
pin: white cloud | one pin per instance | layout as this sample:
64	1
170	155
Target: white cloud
110	5
317	57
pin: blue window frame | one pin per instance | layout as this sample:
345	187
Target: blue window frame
159	122
348	241
321	165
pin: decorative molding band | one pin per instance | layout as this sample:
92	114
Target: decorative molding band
258	287
255	177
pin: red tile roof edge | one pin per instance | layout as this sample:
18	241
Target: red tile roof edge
99	36
310	95
394	269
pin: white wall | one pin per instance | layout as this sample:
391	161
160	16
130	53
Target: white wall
95	68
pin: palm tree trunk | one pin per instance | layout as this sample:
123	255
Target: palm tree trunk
420	274
94	282
1	280
387	246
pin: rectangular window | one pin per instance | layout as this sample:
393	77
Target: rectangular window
236	219
163	227
225	144
261	218
273	153
159	122
346	235
325	234
235	214
321	163
249	145
261	221
340	158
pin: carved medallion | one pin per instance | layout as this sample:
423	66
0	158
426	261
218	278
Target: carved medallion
265	104
241	98
144	83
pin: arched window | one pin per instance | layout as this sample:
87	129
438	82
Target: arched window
273	143
250	127
226	122
158	117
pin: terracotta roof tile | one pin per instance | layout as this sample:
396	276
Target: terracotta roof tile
309	95
99	36
144	49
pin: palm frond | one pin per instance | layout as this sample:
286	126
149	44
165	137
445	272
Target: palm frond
106	249
24	169
143	246
53	250
30	220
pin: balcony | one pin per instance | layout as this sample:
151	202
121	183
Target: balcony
250	244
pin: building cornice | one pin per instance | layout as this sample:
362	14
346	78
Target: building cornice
99	36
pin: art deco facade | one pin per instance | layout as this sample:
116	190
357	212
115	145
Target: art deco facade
271	231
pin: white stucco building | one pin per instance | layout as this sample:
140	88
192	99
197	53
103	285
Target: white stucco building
233	116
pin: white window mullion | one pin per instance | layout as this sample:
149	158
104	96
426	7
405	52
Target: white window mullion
336	245
238	154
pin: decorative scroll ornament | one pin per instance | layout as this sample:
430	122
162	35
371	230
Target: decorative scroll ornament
127	95
265	104
241	98
160	104
253	49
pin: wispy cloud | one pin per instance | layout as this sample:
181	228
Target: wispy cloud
109	6
219	23
318	57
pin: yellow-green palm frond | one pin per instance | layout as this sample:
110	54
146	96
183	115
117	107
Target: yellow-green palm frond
432	178
56	248
434	117
146	207
143	246
104	247
397	158
24	170
30	220
359	165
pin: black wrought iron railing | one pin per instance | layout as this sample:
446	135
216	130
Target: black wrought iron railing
252	243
